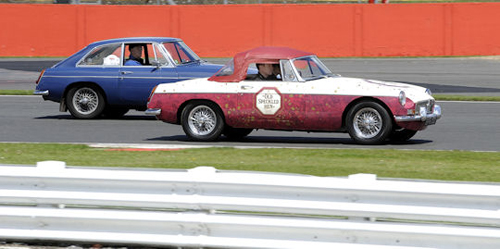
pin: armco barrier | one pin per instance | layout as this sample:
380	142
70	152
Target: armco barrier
205	207
329	30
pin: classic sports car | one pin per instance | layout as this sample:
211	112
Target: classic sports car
98	80
305	96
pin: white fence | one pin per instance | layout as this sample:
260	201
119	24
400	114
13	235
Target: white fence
205	207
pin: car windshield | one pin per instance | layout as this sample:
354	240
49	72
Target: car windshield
180	52
311	68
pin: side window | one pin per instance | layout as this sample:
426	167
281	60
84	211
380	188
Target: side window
139	54
287	71
151	53
160	56
227	69
105	55
252	72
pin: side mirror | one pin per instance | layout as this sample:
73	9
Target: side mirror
156	63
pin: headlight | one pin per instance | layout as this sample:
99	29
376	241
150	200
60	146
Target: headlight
402	98
428	91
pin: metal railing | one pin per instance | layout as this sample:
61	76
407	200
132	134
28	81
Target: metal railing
205	207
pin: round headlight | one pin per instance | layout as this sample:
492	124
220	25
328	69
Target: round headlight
428	91
402	98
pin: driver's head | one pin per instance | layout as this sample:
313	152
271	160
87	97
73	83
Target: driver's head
265	69
135	50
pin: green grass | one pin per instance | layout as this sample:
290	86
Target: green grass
440	97
416	164
16	92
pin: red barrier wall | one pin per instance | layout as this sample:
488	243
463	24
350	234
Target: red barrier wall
333	30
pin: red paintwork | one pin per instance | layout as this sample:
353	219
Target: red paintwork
297	112
258	55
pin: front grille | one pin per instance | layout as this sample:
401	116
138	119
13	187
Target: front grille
429	106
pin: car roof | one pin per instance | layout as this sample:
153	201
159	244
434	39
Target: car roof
264	55
137	39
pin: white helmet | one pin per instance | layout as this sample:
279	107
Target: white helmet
111	60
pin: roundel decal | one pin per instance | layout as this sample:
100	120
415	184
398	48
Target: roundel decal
268	101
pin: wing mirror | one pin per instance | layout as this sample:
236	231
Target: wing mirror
156	63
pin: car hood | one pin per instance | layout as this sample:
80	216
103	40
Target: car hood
368	87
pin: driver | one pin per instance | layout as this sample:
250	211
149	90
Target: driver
135	55
266	72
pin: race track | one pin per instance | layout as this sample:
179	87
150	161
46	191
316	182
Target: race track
464	125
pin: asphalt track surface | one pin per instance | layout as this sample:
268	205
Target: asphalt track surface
464	126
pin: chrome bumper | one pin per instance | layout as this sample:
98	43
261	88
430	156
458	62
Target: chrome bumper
153	112
429	119
39	92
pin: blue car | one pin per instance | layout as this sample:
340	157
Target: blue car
105	78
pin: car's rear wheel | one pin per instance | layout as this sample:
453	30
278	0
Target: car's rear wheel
85	102
202	121
401	135
368	123
236	133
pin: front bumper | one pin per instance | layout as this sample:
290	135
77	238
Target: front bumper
153	111
423	116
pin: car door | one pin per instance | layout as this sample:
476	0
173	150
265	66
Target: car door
137	81
274	104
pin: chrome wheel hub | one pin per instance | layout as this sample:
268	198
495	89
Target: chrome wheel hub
85	100
367	123
202	120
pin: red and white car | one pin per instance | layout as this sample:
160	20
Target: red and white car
305	97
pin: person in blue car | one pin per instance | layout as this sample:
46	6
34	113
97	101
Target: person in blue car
135	55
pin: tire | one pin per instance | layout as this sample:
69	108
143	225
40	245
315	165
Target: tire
85	102
202	121
115	112
401	135
236	133
368	123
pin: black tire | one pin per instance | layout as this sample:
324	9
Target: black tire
85	102
236	133
401	135
368	123
115	112
202	121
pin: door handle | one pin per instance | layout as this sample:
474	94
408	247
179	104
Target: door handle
126	72
246	87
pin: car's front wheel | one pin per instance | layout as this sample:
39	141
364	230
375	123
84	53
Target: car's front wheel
202	121
368	123
85	102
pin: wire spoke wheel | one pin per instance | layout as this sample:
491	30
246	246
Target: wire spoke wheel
202	120
368	123
85	100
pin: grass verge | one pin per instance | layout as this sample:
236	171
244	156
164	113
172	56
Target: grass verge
16	92
439	97
436	165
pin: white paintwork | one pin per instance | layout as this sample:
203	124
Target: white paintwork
326	86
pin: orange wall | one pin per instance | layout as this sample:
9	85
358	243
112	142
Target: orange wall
332	30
